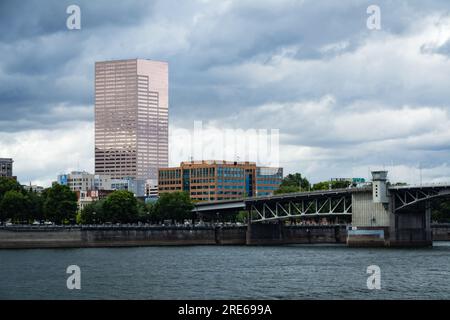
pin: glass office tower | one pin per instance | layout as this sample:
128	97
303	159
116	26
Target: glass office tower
131	118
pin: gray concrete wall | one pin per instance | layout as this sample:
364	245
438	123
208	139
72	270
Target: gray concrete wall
364	210
107	237
148	236
272	233
264	234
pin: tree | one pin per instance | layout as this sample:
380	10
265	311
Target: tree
120	206
60	204
8	184
295	180
143	211
14	206
286	189
293	183
35	205
175	206
325	185
92	213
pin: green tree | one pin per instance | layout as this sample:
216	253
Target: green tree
242	216
325	185
286	189
8	184
92	213
143	211
295	180
293	183
120	206
35	206
60	204
14	206
175	206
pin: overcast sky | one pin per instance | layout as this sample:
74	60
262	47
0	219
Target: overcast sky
345	99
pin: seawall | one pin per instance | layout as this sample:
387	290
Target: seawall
123	236
85	237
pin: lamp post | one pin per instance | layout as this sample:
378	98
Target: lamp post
93	213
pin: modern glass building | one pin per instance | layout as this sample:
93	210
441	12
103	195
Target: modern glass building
220	180
131	118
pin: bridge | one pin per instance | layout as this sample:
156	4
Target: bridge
380	214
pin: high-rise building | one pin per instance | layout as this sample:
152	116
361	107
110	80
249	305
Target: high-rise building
6	167
220	180
131	118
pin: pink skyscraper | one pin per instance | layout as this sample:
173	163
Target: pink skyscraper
131	118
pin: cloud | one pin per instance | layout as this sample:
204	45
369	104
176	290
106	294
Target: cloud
40	155
344	98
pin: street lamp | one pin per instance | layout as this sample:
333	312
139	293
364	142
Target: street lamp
93	213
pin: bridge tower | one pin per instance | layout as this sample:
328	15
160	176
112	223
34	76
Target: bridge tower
371	214
389	216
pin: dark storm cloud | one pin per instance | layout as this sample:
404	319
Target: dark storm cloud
43	64
31	18
40	60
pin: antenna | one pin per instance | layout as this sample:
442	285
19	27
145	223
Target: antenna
420	172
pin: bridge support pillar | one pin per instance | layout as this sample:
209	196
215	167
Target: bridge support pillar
265	233
412	229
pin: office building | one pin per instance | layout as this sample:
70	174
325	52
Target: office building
220	180
268	179
6	167
85	181
131	119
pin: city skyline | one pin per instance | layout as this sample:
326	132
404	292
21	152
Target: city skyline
345	98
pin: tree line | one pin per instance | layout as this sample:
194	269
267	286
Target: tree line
296	183
123	207
18	205
58	204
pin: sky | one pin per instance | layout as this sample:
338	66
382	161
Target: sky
344	98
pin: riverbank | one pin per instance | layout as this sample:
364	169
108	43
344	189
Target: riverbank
15	237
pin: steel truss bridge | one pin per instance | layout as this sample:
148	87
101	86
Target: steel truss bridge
323	203
309	204
406	196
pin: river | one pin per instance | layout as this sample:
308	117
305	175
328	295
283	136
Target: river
227	272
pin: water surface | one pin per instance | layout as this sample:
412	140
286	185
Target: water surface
227	272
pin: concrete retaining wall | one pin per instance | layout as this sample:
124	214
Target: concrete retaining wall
118	237
264	234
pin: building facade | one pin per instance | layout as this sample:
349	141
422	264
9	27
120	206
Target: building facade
219	180
131	118
85	181
33	188
268	179
6	167
87	197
